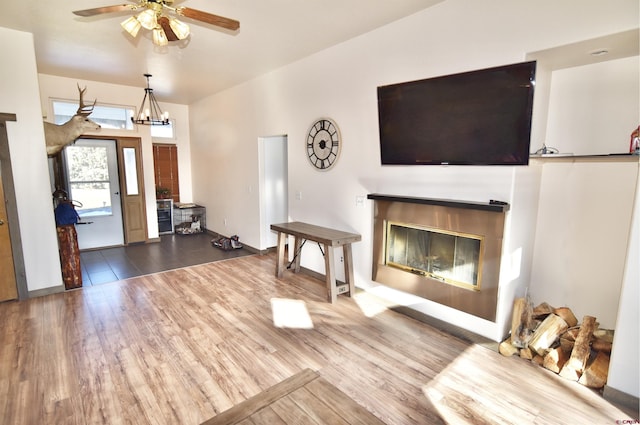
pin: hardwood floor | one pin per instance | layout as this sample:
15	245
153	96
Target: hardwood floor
181	346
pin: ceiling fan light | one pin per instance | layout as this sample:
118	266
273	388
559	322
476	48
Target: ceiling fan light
180	29
131	25
148	19
159	37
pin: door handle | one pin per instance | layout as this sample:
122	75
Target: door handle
1	222
117	193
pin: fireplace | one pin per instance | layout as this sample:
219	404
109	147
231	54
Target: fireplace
451	257
445	251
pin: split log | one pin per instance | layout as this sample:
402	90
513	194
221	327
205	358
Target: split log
526	353
521	322
568	338
599	345
542	311
555	359
547	334
507	349
604	334
567	315
538	359
595	375
580	354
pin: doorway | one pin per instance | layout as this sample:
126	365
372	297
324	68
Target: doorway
274	184
92	170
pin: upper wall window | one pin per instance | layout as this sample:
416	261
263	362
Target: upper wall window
112	117
163	131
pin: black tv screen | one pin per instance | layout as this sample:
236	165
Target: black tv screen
473	118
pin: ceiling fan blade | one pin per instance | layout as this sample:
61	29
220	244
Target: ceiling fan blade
166	27
220	21
105	9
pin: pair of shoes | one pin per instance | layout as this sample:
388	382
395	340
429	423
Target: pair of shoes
235	243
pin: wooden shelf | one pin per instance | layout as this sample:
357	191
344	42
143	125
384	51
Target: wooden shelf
493	206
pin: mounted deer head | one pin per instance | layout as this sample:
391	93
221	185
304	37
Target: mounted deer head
58	136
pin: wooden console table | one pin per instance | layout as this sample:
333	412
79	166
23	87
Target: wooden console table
329	238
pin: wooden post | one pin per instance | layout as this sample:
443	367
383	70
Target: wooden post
69	256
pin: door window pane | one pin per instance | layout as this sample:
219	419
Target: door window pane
89	180
130	170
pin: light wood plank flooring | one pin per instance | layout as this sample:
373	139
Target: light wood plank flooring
181	346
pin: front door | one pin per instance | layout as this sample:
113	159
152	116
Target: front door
8	288
92	170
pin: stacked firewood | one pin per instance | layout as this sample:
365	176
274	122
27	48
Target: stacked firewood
553	338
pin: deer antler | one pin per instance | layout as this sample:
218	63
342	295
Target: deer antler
84	110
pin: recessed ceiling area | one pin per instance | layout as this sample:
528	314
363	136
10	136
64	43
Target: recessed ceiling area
272	33
615	46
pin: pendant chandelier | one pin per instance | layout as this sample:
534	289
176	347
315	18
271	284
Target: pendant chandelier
150	112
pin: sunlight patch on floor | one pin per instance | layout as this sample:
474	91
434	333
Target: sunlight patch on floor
371	306
288	313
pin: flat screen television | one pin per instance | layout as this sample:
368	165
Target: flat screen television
479	117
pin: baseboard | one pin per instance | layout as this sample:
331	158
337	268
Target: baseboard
46	291
625	401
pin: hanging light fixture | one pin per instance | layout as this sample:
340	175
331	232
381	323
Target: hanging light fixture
150	112
163	28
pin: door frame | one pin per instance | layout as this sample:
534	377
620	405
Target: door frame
141	232
267	164
12	209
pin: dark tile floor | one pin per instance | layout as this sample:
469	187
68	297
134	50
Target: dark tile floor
172	252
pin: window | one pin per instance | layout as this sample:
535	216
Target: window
111	117
163	131
89	181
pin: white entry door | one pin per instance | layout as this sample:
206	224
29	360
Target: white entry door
92	170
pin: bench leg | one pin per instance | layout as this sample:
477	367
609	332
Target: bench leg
282	237
297	252
348	268
330	274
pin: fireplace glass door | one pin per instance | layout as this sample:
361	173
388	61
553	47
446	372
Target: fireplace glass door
450	257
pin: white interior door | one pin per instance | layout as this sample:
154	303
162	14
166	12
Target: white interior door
92	171
274	185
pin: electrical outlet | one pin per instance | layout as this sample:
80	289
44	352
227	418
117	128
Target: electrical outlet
341	259
299	196
359	201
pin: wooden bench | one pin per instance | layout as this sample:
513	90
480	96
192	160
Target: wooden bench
325	237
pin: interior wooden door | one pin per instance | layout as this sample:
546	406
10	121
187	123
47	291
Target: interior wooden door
165	168
8	288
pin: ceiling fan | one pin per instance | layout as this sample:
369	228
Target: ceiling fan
155	17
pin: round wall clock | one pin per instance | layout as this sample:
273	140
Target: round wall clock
323	143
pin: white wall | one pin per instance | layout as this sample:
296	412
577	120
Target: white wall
53	87
19	88
582	236
626	343
597	97
340	83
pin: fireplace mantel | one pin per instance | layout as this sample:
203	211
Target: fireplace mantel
493	206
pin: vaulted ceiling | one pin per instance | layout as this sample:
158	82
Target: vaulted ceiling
272	33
